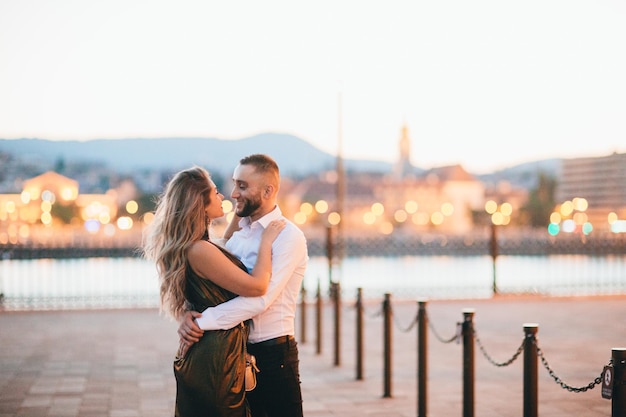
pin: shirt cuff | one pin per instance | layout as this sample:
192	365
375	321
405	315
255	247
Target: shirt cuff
204	322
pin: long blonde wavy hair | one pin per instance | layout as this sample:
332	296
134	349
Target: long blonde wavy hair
179	220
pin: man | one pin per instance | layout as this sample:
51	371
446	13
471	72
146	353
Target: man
256	183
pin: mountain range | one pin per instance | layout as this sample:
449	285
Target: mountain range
295	156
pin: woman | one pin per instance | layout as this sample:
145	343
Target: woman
195	273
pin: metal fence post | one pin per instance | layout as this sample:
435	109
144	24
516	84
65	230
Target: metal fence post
337	297
530	370
303	316
493	251
387	345
422	368
359	334
468	362
618	402
318	316
329	253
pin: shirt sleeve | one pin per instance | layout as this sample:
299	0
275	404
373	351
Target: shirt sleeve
288	252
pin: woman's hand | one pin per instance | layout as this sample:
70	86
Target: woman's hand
232	227
188	331
273	230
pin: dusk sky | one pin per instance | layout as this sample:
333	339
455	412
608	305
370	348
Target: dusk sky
486	84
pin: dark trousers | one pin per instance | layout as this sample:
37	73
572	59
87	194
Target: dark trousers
277	393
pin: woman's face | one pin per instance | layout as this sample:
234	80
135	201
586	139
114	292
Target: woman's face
214	209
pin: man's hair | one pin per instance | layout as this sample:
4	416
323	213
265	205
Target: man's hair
265	165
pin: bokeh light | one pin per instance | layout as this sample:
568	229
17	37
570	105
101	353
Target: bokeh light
506	209
306	208
124	223
378	209
227	206
447	209
321	206
410	206
436	218
400	216
132	207
553	229
369	218
567	208
491	206
299	218
148	217
334	218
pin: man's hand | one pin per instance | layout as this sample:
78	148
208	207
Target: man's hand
188	331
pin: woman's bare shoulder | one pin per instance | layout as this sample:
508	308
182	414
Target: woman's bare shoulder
202	249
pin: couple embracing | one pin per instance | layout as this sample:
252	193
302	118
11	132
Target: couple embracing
232	296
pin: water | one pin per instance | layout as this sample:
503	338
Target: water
132	282
78	283
473	277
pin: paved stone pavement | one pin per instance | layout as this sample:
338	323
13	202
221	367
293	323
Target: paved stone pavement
117	363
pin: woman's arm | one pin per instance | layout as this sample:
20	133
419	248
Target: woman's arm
210	263
232	227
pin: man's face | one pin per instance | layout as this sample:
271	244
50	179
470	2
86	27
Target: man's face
247	191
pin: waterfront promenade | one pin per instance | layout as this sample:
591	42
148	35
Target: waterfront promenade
117	363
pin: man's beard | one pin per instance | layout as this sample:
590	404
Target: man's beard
249	207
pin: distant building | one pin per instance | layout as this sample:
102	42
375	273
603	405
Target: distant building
403	166
57	185
51	199
440	200
601	181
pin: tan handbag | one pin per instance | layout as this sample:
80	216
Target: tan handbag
251	371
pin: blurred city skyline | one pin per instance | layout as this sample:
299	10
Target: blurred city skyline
484	84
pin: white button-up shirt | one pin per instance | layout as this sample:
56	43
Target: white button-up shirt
273	314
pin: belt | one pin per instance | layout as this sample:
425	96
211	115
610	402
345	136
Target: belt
272	342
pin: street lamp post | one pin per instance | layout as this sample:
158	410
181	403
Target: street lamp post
499	216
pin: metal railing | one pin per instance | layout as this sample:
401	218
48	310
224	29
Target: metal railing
600	262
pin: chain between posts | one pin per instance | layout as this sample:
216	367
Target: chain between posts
559	381
377	313
455	337
413	323
402	328
371	313
520	349
544	361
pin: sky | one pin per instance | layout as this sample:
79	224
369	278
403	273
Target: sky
484	84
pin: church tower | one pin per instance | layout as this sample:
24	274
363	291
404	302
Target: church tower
403	165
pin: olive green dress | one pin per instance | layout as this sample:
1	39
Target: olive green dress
210	378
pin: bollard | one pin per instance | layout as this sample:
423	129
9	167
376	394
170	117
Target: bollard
318	317
387	346
493	249
530	370
422	369
618	402
468	362
359	334
303	316
329	254
337	297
